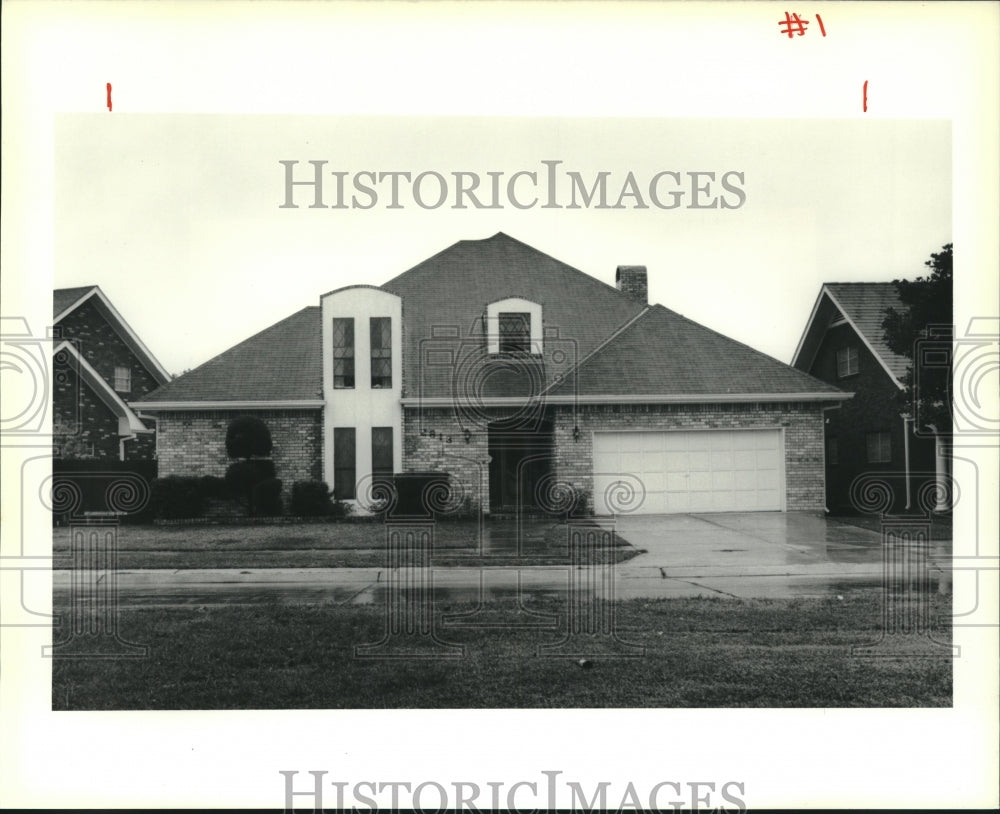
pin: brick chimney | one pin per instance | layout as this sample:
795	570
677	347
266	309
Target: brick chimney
631	280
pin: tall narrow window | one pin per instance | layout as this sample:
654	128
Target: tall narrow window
515	332
123	379
832	452
879	448
344	463
381	345
343	353
381	450
847	362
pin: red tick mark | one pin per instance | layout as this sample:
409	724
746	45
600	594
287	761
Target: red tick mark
864	97
109	97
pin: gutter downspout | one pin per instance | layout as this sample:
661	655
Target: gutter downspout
121	445
825	419
906	458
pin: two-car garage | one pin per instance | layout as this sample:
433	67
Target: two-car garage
693	470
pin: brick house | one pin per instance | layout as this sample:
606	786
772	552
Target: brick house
526	380
99	366
842	344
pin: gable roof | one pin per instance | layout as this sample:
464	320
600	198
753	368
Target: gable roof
66	300
863	306
452	290
281	364
619	347
103	390
663	353
63	298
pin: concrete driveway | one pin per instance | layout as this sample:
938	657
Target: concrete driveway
758	554
742	555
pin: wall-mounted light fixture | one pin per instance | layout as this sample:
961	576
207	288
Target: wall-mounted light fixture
576	433
468	436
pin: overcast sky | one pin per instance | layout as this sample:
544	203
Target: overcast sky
177	217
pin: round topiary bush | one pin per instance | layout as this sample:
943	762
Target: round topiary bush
248	437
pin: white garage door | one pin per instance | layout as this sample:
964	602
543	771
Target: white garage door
693	471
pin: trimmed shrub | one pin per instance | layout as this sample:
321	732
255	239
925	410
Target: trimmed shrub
213	488
247	437
267	497
311	498
243	476
175	497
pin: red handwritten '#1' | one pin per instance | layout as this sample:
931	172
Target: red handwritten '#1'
109	97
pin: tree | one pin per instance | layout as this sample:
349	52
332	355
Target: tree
925	322
248	437
248	440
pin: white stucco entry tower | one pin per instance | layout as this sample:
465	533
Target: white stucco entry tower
360	404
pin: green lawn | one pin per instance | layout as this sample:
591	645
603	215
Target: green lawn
314	545
939	525
699	653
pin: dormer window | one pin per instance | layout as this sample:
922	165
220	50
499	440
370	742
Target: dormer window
515	332
514	326
847	362
123	379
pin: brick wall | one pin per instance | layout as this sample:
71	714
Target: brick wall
83	425
447	451
142	447
194	443
104	349
802	424
876	407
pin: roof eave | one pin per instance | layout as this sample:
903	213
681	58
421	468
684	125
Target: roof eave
261	404
691	398
808	330
130	337
864	339
104	392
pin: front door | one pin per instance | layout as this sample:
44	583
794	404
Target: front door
518	460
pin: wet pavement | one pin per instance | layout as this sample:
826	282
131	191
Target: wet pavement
759	555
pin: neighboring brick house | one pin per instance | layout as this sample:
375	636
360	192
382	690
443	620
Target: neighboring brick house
843	344
99	366
525	379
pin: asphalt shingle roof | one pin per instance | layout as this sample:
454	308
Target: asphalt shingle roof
283	362
864	304
621	346
63	298
452	289
665	353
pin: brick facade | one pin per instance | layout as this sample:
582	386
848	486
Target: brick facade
83	426
104	349
876	407
194	443
447	450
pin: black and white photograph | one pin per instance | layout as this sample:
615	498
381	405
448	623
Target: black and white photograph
508	419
